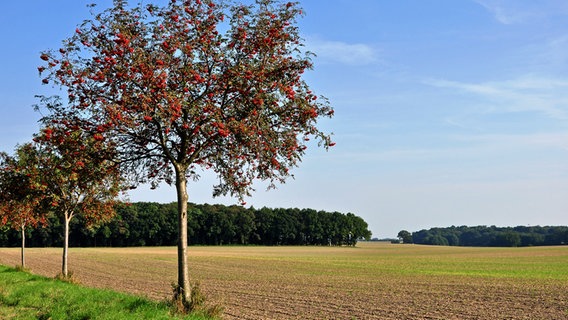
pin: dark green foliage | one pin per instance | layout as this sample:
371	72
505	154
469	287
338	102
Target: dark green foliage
404	236
483	236
155	224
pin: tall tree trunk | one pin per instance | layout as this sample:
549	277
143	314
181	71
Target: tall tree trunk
23	254
183	290
64	269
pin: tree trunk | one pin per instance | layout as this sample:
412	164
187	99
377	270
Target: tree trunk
183	290
23	254
64	269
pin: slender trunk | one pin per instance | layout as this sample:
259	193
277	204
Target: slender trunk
64	269
23	254
183	290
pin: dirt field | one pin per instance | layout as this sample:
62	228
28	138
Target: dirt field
372	281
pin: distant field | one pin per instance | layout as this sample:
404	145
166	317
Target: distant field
371	281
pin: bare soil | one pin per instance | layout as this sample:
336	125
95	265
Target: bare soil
305	283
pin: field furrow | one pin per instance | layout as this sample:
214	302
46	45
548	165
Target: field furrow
372	281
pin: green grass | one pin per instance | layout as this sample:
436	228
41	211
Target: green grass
370	260
27	296
535	263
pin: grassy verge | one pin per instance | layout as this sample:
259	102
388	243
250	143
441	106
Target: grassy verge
27	296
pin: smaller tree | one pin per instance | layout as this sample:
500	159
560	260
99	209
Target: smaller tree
405	236
20	193
78	176
359	229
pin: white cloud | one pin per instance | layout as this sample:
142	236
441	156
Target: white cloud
342	52
520	11
458	149
532	142
552	54
503	13
548	96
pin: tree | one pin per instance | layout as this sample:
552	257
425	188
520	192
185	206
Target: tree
360	229
20	192
405	236
243	221
507	238
77	176
437	240
176	94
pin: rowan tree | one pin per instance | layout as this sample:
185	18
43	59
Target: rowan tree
76	174
195	84
20	192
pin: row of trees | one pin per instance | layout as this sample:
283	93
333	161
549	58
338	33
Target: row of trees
154	224
62	173
155	94
484	236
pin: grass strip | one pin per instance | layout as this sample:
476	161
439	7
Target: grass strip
28	296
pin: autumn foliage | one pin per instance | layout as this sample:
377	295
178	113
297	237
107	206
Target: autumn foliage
21	192
193	85
77	174
168	85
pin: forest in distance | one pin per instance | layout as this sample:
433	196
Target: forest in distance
492	236
155	224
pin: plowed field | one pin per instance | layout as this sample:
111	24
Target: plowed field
371	281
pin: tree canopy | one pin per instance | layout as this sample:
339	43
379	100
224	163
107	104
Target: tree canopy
484	236
21	192
405	236
155	224
176	94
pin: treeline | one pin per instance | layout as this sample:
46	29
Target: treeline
155	224
483	236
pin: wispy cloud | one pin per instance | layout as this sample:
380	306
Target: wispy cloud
532	141
504	13
520	11
526	94
552	54
342	52
458	149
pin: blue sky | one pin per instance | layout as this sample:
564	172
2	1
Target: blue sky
448	112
